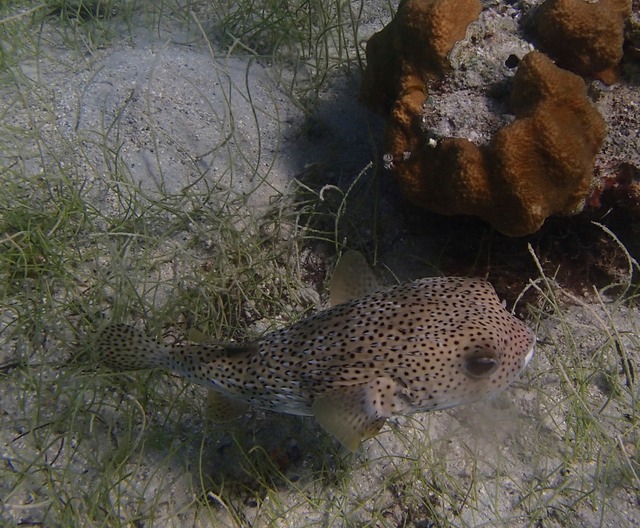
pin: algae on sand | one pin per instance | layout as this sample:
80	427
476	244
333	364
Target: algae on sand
147	179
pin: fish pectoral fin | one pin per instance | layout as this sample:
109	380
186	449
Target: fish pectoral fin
221	408
353	414
352	278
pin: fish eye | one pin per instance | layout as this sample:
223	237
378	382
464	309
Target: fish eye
481	365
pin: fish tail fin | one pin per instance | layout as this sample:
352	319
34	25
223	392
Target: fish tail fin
122	347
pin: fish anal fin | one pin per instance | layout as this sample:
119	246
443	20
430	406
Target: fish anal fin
221	408
352	278
355	413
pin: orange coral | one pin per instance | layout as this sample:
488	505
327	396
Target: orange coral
539	165
583	37
411	48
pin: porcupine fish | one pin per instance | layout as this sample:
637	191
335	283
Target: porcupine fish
428	344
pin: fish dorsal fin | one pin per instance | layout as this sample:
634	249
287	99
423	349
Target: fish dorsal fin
196	336
221	408
237	349
355	413
209	349
352	278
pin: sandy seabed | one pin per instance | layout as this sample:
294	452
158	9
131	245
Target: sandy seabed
179	112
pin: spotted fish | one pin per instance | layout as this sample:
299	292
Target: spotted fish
428	344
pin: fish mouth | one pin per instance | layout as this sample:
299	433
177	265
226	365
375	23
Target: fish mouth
530	353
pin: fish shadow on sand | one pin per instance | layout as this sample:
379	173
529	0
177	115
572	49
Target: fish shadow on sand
239	462
265	451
